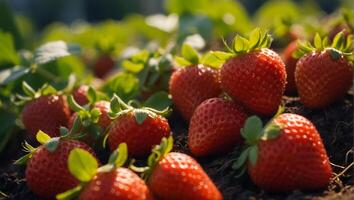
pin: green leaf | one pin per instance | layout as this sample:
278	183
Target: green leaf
54	50
131	66
82	165
12	74
271	131
241	161
190	54
325	42
253	154
338	41
252	129
240	44
318	41
216	59
52	144
159	100
91	95
74	105
95	115
23	160
125	85
42	137
115	104
255	38
28	90
48	90
8	55
140	115
119	156
70	194
181	61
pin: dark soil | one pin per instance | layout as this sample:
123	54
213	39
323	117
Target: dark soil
334	123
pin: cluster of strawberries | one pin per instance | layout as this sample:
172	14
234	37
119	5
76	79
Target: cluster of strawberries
220	105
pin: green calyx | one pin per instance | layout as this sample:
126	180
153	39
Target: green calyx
341	46
253	132
157	154
84	166
190	56
86	114
119	108
30	93
44	139
258	39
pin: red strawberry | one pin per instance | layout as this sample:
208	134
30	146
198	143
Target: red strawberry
139	137
47	173
103	66
121	183
175	176
290	65
190	86
109	182
324	74
104	108
46	113
215	127
80	95
288	154
141	129
256	76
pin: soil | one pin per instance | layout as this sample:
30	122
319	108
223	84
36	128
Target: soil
334	123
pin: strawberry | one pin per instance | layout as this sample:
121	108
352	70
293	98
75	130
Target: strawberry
287	154
103	65
255	76
46	172
141	128
324	74
191	85
109	182
290	65
44	111
80	94
215	127
175	176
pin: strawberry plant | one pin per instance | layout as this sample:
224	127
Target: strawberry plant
84	92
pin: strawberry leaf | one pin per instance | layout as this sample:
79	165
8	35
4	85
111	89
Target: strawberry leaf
52	144
54	50
252	129
95	115
253	154
140	115
42	137
70	194
240	44
47	90
241	161
181	61
28	90
255	38
215	59
132	67
190	54
91	95
159	100
318	41
82	164
11	74
119	156
338	41
74	105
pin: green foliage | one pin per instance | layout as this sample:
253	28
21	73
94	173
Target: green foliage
8	54
125	85
82	165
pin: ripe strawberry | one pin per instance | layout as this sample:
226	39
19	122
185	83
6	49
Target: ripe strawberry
290	65
141	129
324	74
288	154
104	107
256	76
120	183
80	95
46	113
46	172
190	86
109	182
175	176
215	127
103	66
